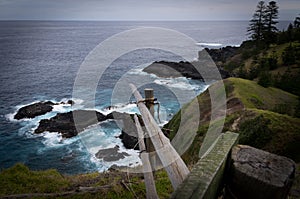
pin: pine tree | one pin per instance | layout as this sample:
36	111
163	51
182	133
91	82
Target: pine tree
297	22
270	19
256	25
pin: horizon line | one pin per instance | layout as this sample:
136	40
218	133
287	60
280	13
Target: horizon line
99	20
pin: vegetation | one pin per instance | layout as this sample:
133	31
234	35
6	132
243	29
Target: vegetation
256	25
51	184
266	120
262	26
265	117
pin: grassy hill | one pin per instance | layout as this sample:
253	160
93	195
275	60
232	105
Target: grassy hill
262	116
276	65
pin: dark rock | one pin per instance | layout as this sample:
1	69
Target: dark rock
222	54
34	110
111	154
129	142
173	69
71	102
37	109
129	133
184	69
71	123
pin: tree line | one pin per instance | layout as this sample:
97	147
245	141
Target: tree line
262	26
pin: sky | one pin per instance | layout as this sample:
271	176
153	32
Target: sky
139	9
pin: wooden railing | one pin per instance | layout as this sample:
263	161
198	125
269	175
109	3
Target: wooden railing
207	176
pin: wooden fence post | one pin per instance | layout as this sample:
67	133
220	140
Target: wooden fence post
147	170
149	102
171	161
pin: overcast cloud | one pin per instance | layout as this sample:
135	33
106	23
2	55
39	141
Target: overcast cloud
138	9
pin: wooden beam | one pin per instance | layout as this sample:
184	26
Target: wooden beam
149	102
171	161
147	170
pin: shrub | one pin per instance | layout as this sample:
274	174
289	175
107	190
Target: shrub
255	132
265	79
288	55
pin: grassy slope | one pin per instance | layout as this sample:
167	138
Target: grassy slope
20	180
264	122
265	103
253	95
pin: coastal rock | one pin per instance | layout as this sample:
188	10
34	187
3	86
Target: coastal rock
173	69
183	69
64	123
34	110
222	54
111	154
129	141
129	133
37	109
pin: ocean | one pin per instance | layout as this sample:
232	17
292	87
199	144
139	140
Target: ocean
40	60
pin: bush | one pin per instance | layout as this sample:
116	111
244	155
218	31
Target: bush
253	72
242	73
231	66
288	55
265	79
255	132
288	81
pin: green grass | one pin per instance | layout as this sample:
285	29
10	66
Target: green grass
255	96
261	120
284	138
20	180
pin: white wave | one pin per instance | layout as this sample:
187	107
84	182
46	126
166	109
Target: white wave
62	108
129	108
52	139
97	138
208	44
179	82
137	71
10	117
76	100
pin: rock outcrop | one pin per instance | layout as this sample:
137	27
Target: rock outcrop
34	110
192	70
129	133
111	154
71	123
37	109
222	54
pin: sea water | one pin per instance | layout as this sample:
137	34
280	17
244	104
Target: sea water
39	60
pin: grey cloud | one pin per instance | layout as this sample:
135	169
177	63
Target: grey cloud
136	9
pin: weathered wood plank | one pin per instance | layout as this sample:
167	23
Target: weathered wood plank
171	161
206	177
149	102
147	170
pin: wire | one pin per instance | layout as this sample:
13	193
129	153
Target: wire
158	109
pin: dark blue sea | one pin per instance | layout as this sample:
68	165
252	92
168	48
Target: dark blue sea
40	60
